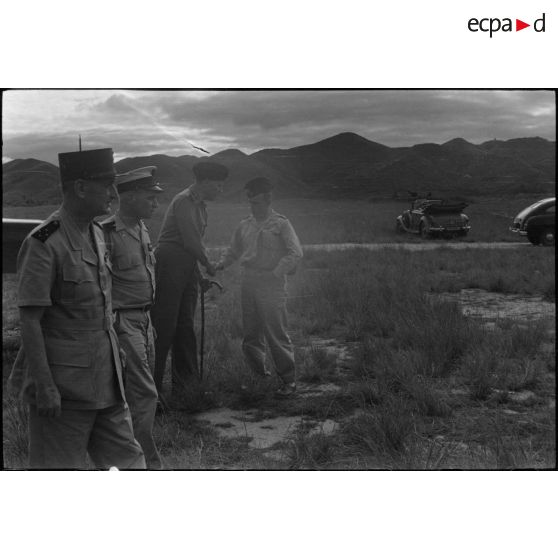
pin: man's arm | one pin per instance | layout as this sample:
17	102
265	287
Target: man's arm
233	252
48	396
288	262
36	275
185	214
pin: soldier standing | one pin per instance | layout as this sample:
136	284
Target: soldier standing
269	250
133	290
179	250
68	368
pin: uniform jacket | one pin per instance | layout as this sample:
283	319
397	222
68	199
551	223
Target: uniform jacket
269	246
184	225
61	270
133	264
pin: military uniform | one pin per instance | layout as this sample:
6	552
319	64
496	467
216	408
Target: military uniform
68	274
133	290
179	249
268	251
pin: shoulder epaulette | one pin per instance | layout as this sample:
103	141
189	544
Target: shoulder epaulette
46	230
280	216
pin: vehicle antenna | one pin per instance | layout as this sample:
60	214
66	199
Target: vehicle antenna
79	142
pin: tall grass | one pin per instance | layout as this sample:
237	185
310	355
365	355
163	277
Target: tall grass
395	405
15	419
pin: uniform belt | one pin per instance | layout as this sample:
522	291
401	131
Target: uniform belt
92	324
145	308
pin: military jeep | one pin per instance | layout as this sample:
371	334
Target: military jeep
434	217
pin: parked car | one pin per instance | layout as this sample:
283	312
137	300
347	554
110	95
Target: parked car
537	222
429	218
14	232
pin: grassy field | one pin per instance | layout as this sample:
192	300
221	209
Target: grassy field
326	221
420	386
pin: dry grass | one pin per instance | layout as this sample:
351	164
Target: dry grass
427	388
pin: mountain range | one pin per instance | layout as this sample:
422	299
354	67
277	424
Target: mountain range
343	166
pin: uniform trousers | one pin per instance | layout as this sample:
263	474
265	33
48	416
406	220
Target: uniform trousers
134	335
63	442
264	319
177	278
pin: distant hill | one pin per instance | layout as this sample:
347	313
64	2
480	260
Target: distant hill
345	165
343	162
348	165
175	173
30	182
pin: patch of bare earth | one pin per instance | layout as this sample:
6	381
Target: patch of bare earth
489	306
270	432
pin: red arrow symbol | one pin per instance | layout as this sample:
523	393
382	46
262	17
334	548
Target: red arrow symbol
519	25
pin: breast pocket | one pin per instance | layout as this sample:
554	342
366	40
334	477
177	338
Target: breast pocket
271	239
78	282
70	365
127	261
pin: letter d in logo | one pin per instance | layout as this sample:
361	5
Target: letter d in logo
540	21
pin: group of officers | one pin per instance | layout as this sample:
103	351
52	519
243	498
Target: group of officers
96	298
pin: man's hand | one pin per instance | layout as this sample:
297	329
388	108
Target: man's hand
48	400
123	358
206	284
211	271
219	267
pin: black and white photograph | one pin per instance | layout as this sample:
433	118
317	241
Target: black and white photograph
279	279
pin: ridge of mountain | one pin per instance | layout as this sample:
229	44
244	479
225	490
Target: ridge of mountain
343	165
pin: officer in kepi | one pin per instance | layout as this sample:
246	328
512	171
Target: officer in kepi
133	291
69	367
268	250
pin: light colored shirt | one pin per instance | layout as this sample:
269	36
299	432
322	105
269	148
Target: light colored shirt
271	245
66	272
184	224
133	263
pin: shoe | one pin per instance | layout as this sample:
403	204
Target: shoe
287	389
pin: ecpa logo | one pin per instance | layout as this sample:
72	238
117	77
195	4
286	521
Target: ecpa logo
492	25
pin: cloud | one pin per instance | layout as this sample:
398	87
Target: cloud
41	123
256	119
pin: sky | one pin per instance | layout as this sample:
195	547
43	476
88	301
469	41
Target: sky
41	123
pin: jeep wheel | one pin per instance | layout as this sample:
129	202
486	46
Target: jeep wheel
424	230
547	237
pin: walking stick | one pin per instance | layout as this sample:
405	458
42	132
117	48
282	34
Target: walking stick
205	285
